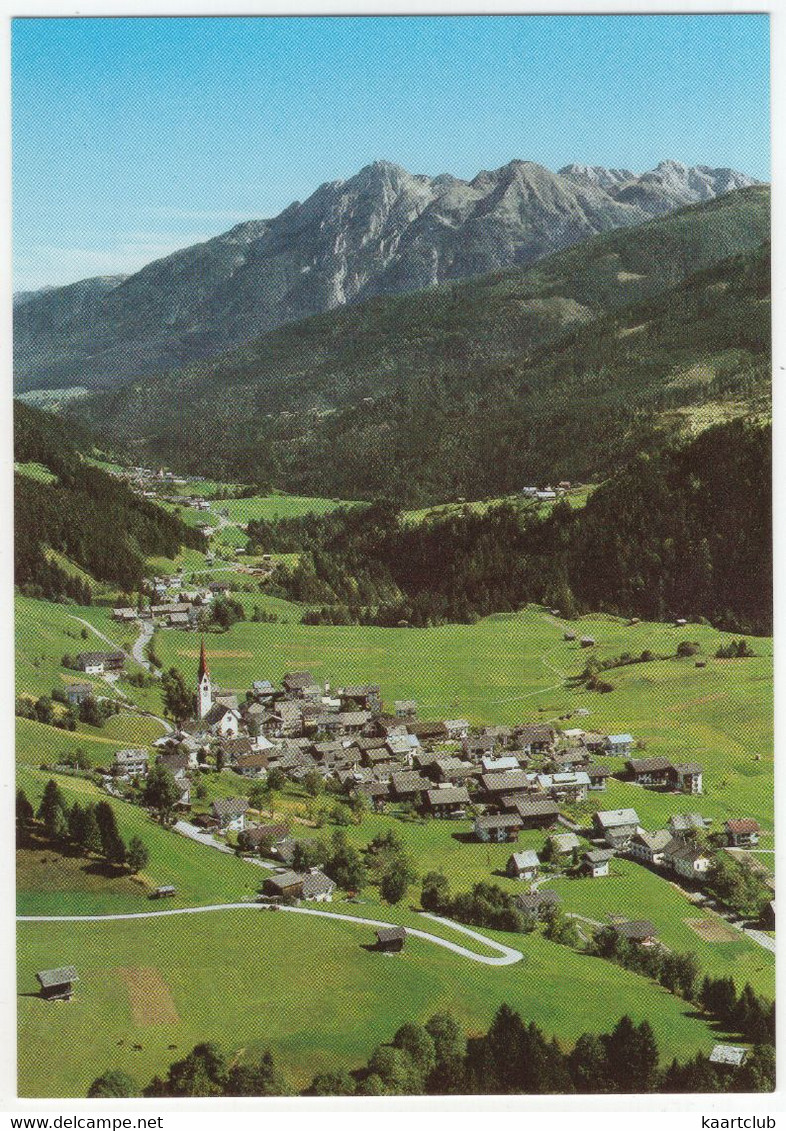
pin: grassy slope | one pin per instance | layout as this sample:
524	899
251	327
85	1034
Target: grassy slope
202	876
233	979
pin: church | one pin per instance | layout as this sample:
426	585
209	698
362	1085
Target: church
218	712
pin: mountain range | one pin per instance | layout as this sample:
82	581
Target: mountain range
558	370
383	231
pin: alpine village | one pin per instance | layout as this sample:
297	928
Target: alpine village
394	675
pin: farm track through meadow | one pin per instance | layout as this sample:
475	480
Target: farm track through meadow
507	956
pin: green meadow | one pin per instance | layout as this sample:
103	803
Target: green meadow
254	979
232	977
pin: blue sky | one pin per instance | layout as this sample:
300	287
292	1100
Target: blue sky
133	137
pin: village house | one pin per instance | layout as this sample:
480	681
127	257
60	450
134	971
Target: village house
223	721
131	763
124	615
409	785
510	781
405	708
649	847
536	738
730	1056
536	812
58	985
262	690
492	765
687	777
597	776
649	771
376	791
594	741
682	823
523	865
97	663
571	760
639	931
452	770
427	731
620	745
536	902
284	884
743	832
251	765
595	861
587	642
230	813
76	693
353	722
616	826
686	858
497	827
262	836
317	887
563	844
456	728
450	801
301	685
565	787
364	697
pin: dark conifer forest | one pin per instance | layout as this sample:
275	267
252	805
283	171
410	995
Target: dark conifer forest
95	521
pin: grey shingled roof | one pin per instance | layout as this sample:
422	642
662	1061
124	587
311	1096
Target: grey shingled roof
59	977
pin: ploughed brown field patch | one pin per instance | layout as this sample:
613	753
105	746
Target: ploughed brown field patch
148	995
712	930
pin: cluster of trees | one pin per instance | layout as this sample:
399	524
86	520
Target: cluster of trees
207	1071
512	1057
85	514
161	792
486	905
747	1013
89	829
678	973
683	528
735	650
337	858
390	865
42	711
223	612
91	710
736	884
179	698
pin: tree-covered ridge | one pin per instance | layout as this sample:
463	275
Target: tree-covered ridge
684	531
85	514
557	370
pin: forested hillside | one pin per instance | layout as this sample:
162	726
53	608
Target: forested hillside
561	371
79	511
685	531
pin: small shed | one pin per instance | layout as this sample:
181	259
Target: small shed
391	939
58	985
587	642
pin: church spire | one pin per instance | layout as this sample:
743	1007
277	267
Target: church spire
204	670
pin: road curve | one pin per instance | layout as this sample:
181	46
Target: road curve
507	956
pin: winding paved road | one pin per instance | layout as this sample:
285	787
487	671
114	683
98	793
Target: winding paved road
506	957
